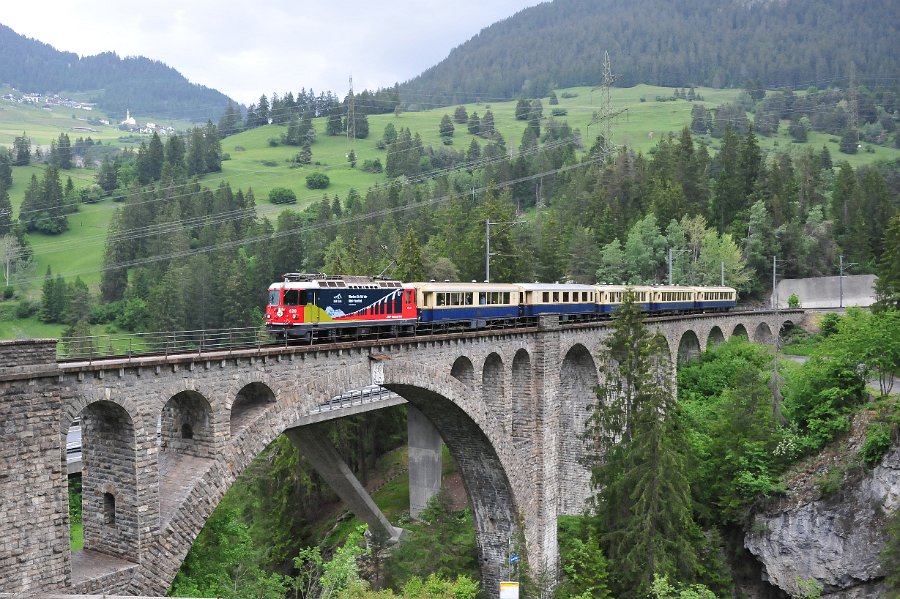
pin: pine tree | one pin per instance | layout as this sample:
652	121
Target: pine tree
638	456
409	261
460	115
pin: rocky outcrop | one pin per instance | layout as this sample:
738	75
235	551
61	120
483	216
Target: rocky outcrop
832	542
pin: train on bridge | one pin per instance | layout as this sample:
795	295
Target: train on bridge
308	305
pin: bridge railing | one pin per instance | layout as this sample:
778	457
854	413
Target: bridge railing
159	343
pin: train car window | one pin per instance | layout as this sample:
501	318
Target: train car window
274	297
565	297
506	297
292	297
440	299
546	297
555	296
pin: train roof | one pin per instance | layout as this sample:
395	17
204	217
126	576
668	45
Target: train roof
322	281
555	287
459	287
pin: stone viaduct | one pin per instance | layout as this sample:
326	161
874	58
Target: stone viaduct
508	404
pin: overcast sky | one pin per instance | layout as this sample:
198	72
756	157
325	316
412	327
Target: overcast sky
251	47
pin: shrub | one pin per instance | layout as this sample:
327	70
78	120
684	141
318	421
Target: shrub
793	301
877	443
317	181
8	292
282	195
26	309
559	112
372	166
829	325
268	163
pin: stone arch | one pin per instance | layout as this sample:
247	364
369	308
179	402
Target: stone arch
492	472
493	383
186	425
578	381
688	347
522	391
740	331
109	480
463	371
715	337
249	403
762	334
787	327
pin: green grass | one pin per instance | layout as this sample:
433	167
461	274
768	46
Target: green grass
76	536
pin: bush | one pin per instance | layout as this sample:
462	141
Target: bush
282	195
8	292
372	166
793	301
559	112
829	325
317	181
877	443
26	309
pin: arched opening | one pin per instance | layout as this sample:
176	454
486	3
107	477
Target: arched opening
522	404
463	371
186	426
110	516
715	338
578	381
688	347
762	334
493	385
788	330
740	331
251	401
487	484
109	509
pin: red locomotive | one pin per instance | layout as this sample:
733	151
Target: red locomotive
305	303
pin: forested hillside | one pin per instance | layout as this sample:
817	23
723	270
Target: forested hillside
142	85
692	42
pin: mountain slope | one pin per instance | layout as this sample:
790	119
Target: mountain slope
719	43
142	85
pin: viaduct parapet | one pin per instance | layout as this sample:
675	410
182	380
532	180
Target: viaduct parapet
508	404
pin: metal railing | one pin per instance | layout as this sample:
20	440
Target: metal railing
356	397
160	343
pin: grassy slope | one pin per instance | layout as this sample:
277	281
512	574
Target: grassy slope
80	250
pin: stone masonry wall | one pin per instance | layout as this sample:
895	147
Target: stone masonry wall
109	482
34	516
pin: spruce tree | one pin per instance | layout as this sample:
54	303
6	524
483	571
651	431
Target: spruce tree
638	453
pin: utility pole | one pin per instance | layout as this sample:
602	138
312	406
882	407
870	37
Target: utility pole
351	118
841	279
722	273
487	246
676	252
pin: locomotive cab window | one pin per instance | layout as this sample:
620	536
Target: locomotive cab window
274	297
295	297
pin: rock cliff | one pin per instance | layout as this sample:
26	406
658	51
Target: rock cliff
832	542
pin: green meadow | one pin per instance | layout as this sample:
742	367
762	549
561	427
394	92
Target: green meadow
255	163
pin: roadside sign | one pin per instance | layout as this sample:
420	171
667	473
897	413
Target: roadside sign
509	590
514	558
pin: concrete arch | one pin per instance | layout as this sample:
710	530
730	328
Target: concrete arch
493	383
493	474
740	331
688	347
578	383
715	337
186	426
762	334
249	403
463	371
108	438
522	391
